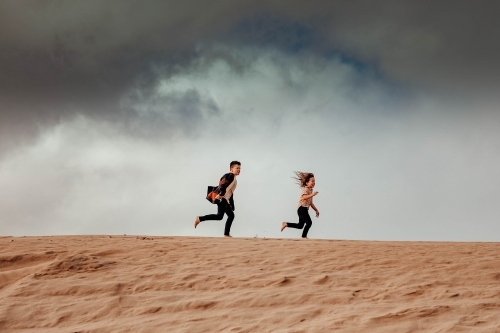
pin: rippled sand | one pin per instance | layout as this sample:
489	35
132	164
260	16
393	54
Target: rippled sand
183	284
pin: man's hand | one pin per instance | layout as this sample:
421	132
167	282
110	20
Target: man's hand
317	213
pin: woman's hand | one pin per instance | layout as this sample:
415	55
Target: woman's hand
314	193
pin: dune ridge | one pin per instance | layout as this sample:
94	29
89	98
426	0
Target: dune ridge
108	283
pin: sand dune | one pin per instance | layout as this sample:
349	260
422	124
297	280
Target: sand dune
182	284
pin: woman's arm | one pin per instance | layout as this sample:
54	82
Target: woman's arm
307	196
315	209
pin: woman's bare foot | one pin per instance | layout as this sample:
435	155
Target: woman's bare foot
196	221
283	226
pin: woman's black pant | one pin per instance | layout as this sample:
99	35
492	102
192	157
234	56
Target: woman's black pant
222	207
304	219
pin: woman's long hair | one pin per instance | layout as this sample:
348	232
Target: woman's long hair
301	178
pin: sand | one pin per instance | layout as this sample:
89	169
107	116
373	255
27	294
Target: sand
187	284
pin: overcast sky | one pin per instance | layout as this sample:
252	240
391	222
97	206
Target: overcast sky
116	115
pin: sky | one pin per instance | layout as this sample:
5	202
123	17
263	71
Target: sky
115	116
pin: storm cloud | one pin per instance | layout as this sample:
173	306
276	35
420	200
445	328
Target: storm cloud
59	59
114	112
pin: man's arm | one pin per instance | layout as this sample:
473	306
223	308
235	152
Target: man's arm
224	182
231	202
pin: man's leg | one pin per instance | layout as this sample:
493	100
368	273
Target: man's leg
221	208
229	222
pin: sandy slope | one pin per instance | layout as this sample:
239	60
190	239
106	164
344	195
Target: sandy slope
182	284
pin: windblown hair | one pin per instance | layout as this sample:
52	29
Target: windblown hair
301	178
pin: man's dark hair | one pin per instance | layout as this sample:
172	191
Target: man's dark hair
234	163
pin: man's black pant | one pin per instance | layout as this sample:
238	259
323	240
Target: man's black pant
222	207
304	218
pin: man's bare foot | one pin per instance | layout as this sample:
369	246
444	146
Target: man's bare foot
283	226
228	236
196	221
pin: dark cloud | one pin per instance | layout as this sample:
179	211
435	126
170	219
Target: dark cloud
168	115
356	92
59	59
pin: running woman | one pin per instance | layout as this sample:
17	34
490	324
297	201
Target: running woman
225	200
306	181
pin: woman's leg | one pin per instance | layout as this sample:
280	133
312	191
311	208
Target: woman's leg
299	225
307	219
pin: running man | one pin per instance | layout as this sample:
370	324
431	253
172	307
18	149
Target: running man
225	199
